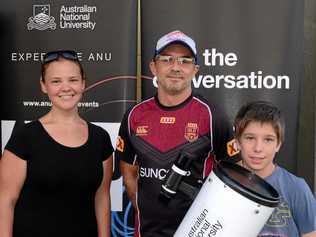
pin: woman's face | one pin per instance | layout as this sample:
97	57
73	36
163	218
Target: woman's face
63	83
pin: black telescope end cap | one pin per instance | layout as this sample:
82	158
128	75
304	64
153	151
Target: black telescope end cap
247	183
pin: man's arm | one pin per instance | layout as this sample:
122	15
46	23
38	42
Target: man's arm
130	176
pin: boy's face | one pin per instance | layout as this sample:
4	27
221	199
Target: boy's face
258	144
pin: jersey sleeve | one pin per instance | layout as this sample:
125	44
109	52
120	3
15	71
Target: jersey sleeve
304	212
224	143
18	143
124	150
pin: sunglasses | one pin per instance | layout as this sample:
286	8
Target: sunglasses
54	55
169	60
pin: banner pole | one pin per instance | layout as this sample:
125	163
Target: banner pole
138	62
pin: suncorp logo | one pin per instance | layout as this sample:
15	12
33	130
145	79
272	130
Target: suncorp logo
153	173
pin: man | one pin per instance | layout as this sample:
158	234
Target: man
155	132
259	132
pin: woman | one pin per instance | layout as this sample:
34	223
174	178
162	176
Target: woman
55	172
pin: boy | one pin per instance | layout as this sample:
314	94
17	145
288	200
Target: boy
259	133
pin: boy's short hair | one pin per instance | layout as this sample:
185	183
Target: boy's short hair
263	112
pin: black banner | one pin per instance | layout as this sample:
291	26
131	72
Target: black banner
104	35
247	50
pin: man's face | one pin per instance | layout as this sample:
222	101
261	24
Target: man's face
173	77
258	145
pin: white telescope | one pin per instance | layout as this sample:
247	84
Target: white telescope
232	202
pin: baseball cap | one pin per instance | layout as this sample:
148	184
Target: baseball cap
176	37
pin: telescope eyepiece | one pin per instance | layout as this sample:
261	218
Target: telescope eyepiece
174	177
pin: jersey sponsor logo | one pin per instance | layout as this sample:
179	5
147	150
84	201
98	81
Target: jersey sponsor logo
168	120
191	132
120	144
153	173
142	131
232	148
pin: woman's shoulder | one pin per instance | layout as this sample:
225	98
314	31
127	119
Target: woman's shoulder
22	138
32	124
97	130
95	127
99	136
27	127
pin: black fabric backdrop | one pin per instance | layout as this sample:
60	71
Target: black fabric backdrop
265	36
104	34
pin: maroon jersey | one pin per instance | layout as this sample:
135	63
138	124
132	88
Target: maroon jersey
152	136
